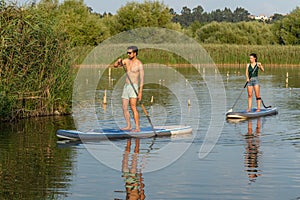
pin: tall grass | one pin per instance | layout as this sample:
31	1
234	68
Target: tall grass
267	54
35	76
232	54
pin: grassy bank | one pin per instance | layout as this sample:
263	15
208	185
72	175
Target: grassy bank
268	54
221	54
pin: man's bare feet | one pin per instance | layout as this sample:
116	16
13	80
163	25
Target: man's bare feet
257	110
126	129
248	110
136	130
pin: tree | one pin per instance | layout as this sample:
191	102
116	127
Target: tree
235	33
276	17
80	26
240	14
197	13
135	15
287	30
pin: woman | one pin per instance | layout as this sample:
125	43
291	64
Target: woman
252	79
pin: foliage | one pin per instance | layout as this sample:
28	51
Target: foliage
136	15
75	20
235	33
197	14
34	65
287	30
267	54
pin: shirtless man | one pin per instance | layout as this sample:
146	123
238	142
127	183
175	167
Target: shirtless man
135	71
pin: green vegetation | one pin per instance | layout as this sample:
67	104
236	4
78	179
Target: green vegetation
35	76
267	54
197	14
41	42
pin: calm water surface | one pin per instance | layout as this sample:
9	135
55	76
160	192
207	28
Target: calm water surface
255	159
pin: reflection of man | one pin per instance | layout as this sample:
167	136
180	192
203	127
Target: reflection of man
133	179
252	151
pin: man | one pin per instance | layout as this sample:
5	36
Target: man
134	78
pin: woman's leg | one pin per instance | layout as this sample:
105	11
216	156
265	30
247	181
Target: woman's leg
258	99
250	91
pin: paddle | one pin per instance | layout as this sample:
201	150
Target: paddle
142	105
230	110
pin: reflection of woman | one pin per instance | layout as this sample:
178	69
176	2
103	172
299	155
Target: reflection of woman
252	152
252	79
132	176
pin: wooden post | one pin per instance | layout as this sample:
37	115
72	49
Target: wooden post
104	98
287	80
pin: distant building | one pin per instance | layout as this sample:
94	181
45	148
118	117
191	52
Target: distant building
260	17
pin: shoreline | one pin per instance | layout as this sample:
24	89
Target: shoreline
190	65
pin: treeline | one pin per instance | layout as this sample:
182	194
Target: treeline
41	41
197	14
188	16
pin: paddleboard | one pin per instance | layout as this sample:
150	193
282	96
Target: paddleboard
103	134
252	114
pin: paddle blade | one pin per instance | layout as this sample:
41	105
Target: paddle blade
230	110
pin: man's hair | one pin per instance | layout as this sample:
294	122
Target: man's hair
134	49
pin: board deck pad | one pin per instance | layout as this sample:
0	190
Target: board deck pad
252	114
114	133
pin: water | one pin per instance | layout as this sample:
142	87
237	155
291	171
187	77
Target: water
255	159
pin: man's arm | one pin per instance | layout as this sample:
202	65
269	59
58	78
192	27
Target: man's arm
118	63
141	74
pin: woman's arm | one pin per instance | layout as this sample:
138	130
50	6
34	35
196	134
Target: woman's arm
260	67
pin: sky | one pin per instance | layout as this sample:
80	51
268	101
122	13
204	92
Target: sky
255	7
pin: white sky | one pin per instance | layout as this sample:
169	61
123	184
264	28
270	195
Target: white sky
255	7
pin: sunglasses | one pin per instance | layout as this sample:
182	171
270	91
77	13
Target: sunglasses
129	53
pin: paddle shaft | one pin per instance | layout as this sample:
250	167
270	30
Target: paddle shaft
142	105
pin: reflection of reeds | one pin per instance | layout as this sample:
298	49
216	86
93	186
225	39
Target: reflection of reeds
34	66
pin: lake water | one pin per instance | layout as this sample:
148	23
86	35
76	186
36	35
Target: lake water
252	159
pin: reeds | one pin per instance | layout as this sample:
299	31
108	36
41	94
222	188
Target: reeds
35	76
231	54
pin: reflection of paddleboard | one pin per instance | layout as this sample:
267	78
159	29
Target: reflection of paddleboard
102	134
252	114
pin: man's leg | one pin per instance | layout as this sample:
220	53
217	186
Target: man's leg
126	114
135	114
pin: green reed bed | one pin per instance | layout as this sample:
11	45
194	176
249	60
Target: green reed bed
268	54
230	54
35	76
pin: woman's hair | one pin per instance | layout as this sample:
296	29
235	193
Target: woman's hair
254	56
